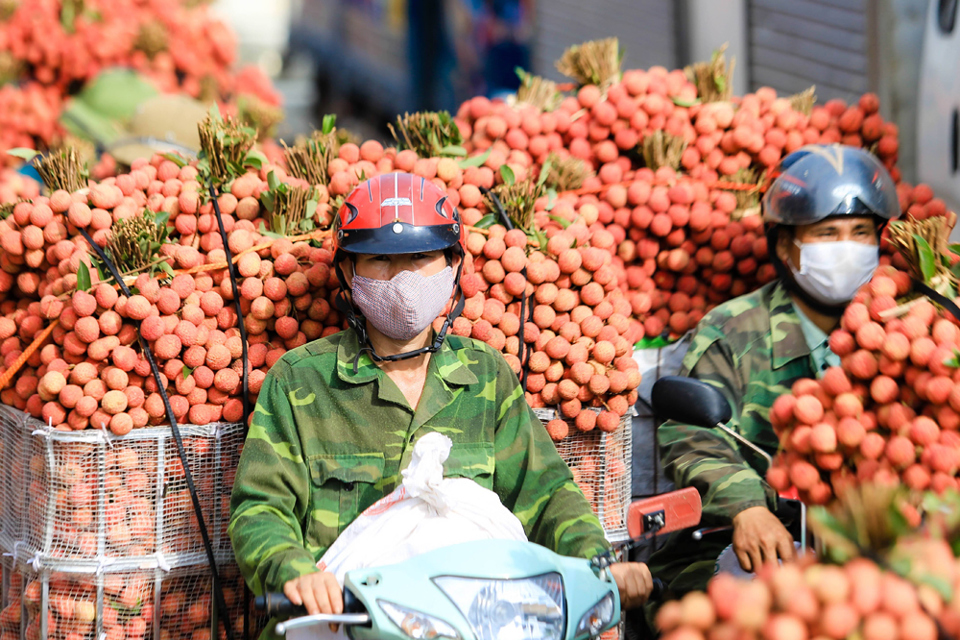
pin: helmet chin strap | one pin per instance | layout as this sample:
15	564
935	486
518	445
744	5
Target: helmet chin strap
359	324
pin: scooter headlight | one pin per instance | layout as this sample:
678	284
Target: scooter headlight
416	624
597	618
529	608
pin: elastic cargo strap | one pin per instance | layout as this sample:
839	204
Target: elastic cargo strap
245	378
181	452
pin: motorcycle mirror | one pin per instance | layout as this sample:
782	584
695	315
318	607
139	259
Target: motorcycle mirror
664	513
690	401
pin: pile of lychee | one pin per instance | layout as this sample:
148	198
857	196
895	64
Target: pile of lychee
889	414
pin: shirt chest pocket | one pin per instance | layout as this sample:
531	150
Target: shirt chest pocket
471	460
341	483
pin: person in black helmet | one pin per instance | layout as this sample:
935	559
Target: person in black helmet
824	213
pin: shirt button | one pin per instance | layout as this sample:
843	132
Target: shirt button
348	486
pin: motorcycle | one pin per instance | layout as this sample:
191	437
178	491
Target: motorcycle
692	401
491	589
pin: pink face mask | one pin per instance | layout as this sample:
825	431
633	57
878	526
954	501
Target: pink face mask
404	306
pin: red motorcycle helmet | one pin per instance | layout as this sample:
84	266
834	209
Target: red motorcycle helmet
392	214
397	213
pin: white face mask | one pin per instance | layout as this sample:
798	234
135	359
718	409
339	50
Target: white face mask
832	272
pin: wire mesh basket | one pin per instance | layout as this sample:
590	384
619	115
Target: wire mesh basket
601	464
139	605
86	500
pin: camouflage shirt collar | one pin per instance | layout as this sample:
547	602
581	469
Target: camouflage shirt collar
444	363
786	331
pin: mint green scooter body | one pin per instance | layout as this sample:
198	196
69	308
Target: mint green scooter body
418	585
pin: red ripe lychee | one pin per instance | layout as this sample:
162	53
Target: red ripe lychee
850	432
917	477
804	475
782	411
847	405
896	346
823	438
808	410
870	336
855	316
839	620
835	381
901	452
861	364
884	389
917	625
920	351
842	342
799	439
872	446
586	420
924	431
945	332
558	429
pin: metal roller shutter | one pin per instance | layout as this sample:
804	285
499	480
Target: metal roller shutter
797	43
646	29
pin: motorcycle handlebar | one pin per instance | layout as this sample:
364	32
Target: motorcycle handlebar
657	591
277	604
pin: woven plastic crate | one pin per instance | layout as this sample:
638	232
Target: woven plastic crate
147	605
601	463
85	500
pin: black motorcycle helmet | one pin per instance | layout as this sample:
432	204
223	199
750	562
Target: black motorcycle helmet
817	182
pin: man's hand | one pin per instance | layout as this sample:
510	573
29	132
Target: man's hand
634	583
759	538
318	592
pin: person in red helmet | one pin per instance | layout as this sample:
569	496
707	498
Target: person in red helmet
338	418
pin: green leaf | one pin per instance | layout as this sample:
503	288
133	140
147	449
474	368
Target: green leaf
953	361
955	248
720	82
311	208
306	225
563	222
486	221
329	122
176	158
23	153
685	103
186	371
506	173
83	277
928	259
269	234
162	218
475	161
256	160
272	181
551	199
215	114
453	150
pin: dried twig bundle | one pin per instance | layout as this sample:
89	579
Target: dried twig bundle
713	79
595	62
429	133
661	149
63	169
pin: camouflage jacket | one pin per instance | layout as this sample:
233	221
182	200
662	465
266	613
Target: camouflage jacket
753	349
326	442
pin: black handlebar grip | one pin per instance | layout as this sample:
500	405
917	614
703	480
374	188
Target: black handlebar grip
657	591
277	604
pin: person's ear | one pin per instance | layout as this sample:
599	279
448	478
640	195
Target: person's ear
347	267
784	240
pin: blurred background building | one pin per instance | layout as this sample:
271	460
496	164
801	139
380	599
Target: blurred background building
369	60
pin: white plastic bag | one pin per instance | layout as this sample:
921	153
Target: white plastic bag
426	512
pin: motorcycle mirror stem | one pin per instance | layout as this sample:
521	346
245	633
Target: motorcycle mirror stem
695	402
